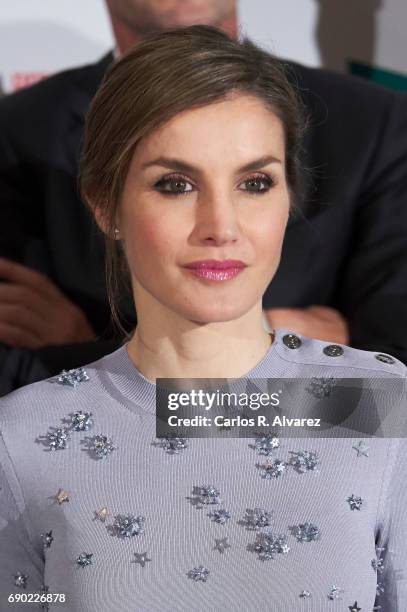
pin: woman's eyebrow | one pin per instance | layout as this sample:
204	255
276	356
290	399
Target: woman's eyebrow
181	166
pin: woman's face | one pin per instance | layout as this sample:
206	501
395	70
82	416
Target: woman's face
208	185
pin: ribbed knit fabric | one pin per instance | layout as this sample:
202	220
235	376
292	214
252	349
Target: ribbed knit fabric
140	478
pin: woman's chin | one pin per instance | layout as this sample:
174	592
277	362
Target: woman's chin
217	315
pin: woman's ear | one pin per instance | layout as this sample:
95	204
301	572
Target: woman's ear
103	223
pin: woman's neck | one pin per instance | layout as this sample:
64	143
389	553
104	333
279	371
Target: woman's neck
200	352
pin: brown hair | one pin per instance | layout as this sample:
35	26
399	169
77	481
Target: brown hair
167	73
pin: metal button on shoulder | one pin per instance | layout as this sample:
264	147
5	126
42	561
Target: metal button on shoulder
292	341
385	358
333	350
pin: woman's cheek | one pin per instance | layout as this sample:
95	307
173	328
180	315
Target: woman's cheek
270	239
149	250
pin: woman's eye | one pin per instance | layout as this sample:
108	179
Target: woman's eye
181	186
258	184
173	186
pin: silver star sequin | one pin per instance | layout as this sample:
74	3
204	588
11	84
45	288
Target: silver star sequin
355	502
268	545
361	449
81	421
221	544
84	559
335	592
258	518
141	558
354	608
267	445
174	445
20	580
272	468
304	461
47	539
101	446
58	439
72	377
220	516
306	532
128	525
199	573
305	594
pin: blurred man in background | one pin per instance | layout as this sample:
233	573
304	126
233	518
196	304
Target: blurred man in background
343	274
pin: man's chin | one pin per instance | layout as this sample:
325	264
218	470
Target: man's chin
188	17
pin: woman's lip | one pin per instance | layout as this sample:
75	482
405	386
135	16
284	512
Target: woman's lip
217	274
213	264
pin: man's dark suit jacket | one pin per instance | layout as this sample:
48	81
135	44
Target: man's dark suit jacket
347	249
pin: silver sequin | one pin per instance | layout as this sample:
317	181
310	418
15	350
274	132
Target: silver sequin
20	580
101	446
47	539
128	525
272	468
220	516
379	589
208	494
221	544
58	439
361	449
72	377
141	558
199	573
306	532
378	564
335	592
355	502
174	445
321	387
268	545
84	559
267	445
304	461
81	421
258	518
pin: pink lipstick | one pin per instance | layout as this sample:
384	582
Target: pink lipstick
217	270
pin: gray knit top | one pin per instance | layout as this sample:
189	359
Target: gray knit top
115	520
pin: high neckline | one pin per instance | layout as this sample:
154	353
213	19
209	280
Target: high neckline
123	380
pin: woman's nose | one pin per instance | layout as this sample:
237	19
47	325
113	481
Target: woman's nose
217	218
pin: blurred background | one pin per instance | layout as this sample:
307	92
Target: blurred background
364	37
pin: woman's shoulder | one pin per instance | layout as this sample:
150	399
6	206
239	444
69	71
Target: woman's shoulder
71	390
307	354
